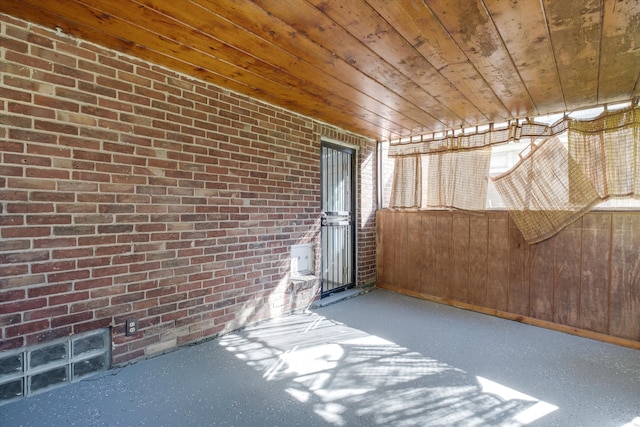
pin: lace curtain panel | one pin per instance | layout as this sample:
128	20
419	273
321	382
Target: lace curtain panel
455	180
546	191
607	150
406	190
458	179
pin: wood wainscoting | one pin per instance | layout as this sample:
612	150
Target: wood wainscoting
585	280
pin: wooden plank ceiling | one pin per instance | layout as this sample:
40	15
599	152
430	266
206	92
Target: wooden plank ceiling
381	68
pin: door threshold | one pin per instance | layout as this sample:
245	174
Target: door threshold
338	296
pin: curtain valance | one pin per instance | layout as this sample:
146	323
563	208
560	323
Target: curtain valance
512	132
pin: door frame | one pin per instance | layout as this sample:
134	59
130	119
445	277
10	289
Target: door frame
341	145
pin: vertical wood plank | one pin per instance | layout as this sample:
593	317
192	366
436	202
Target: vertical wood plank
478	240
379	246
625	276
414	252
443	254
401	261
460	257
566	301
386	245
518	272
596	240
542	257
498	261
429	257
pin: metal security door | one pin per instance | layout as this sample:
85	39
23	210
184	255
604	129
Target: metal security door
338	231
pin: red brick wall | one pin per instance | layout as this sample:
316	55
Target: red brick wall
130	191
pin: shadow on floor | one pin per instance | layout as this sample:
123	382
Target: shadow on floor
377	359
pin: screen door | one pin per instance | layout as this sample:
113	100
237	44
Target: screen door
337	220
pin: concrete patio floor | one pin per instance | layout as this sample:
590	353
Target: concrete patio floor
376	359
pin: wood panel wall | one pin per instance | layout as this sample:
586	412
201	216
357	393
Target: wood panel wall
585	280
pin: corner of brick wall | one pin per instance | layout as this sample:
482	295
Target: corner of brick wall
130	191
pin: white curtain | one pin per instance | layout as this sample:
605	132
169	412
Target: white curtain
546	191
406	191
607	150
458	179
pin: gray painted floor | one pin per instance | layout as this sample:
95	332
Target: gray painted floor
376	359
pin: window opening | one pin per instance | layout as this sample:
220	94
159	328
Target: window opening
24	372
503	158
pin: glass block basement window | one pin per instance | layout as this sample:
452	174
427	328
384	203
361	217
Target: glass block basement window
36	369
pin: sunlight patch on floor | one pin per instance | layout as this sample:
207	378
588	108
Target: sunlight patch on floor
633	423
529	415
343	373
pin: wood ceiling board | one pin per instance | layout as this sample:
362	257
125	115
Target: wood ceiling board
420	27
471	26
150	26
255	20
225	36
434	65
183	59
417	24
366	25
522	26
575	28
52	20
620	61
318	27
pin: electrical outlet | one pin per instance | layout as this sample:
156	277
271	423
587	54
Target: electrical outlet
132	327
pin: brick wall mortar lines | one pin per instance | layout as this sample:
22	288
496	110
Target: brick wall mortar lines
127	190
